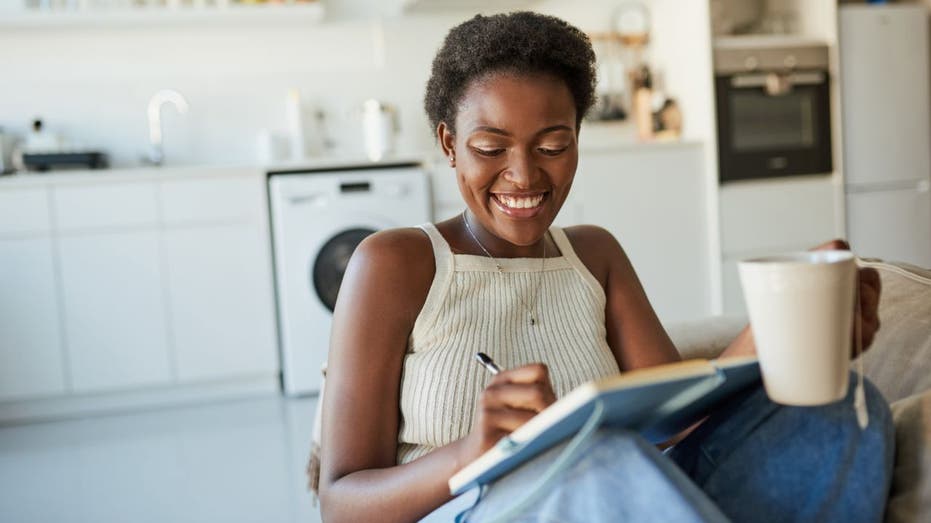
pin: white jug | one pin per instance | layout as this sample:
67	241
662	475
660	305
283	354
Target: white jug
379	129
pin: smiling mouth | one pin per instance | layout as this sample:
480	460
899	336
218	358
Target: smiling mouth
511	201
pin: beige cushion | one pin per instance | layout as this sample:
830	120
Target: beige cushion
705	338
899	362
910	497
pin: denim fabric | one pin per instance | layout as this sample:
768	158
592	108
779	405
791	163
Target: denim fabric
759	461
752	460
620	477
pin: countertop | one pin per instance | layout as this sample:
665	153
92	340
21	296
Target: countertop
594	137
168	172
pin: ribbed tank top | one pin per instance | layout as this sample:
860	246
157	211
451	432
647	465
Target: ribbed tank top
470	307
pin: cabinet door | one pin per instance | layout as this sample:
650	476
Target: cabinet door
30	335
893	224
24	211
108	205
653	201
778	215
221	301
114	312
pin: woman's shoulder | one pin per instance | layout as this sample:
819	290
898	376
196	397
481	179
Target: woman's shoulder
588	234
597	249
405	250
389	275
592	241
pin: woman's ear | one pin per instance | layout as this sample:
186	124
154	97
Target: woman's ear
447	141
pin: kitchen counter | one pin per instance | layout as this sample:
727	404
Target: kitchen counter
622	136
144	173
594	137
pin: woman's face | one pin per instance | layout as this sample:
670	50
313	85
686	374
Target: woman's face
515	151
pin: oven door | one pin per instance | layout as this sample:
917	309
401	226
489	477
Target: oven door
772	125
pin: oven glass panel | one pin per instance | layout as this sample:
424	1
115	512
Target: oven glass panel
764	122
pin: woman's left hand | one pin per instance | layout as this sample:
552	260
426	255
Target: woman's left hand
869	289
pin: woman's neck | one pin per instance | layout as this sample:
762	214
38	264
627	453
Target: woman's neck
486	243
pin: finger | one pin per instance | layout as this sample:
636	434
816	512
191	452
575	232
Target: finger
505	420
867	335
869	303
867	328
529	396
869	277
869	295
532	373
834	245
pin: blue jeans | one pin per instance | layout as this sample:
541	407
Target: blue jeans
752	460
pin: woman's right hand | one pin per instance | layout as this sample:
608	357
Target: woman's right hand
513	397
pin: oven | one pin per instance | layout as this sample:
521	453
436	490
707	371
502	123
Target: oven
773	109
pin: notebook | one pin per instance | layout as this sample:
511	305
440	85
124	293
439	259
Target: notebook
657	402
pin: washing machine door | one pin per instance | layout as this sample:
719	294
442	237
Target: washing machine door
326	274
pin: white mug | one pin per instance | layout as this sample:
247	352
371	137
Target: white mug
801	308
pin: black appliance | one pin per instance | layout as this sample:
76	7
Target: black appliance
773	108
47	161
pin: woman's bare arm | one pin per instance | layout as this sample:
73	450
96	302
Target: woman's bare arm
383	290
634	332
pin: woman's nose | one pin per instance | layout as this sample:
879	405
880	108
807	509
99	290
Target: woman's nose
521	170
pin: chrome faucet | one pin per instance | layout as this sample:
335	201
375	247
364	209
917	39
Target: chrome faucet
156	154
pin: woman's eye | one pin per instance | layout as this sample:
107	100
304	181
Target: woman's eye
552	151
490	152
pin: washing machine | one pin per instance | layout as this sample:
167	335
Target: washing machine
318	219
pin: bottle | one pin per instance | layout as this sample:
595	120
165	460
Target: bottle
643	104
295	125
39	140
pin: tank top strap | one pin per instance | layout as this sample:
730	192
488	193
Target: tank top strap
565	247
442	279
441	249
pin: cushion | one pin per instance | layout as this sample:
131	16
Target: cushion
910	496
899	362
705	338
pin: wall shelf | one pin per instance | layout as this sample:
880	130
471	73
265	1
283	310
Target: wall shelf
301	13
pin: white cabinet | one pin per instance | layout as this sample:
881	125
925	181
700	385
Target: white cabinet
771	216
31	351
652	198
222	314
115	318
31	362
111	205
140	283
24	211
894	224
219	277
211	200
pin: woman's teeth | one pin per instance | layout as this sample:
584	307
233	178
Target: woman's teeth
520	202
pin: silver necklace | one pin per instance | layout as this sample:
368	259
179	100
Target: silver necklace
536	290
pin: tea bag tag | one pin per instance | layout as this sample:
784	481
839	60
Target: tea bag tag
859	404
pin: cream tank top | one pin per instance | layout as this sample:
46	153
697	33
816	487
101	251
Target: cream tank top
472	308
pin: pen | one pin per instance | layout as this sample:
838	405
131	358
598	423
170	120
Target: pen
487	362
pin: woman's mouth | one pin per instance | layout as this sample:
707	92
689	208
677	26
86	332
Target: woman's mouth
519	205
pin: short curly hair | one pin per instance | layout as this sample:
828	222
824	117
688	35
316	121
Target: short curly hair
521	42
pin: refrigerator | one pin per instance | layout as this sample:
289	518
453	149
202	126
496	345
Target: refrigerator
885	63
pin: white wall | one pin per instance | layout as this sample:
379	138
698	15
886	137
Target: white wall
92	83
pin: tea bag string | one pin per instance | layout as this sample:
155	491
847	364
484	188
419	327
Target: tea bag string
859	396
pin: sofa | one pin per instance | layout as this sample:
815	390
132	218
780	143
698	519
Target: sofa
899	363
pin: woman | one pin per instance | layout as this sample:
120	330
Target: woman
406	405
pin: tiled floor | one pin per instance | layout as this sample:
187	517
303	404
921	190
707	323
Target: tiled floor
237	461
